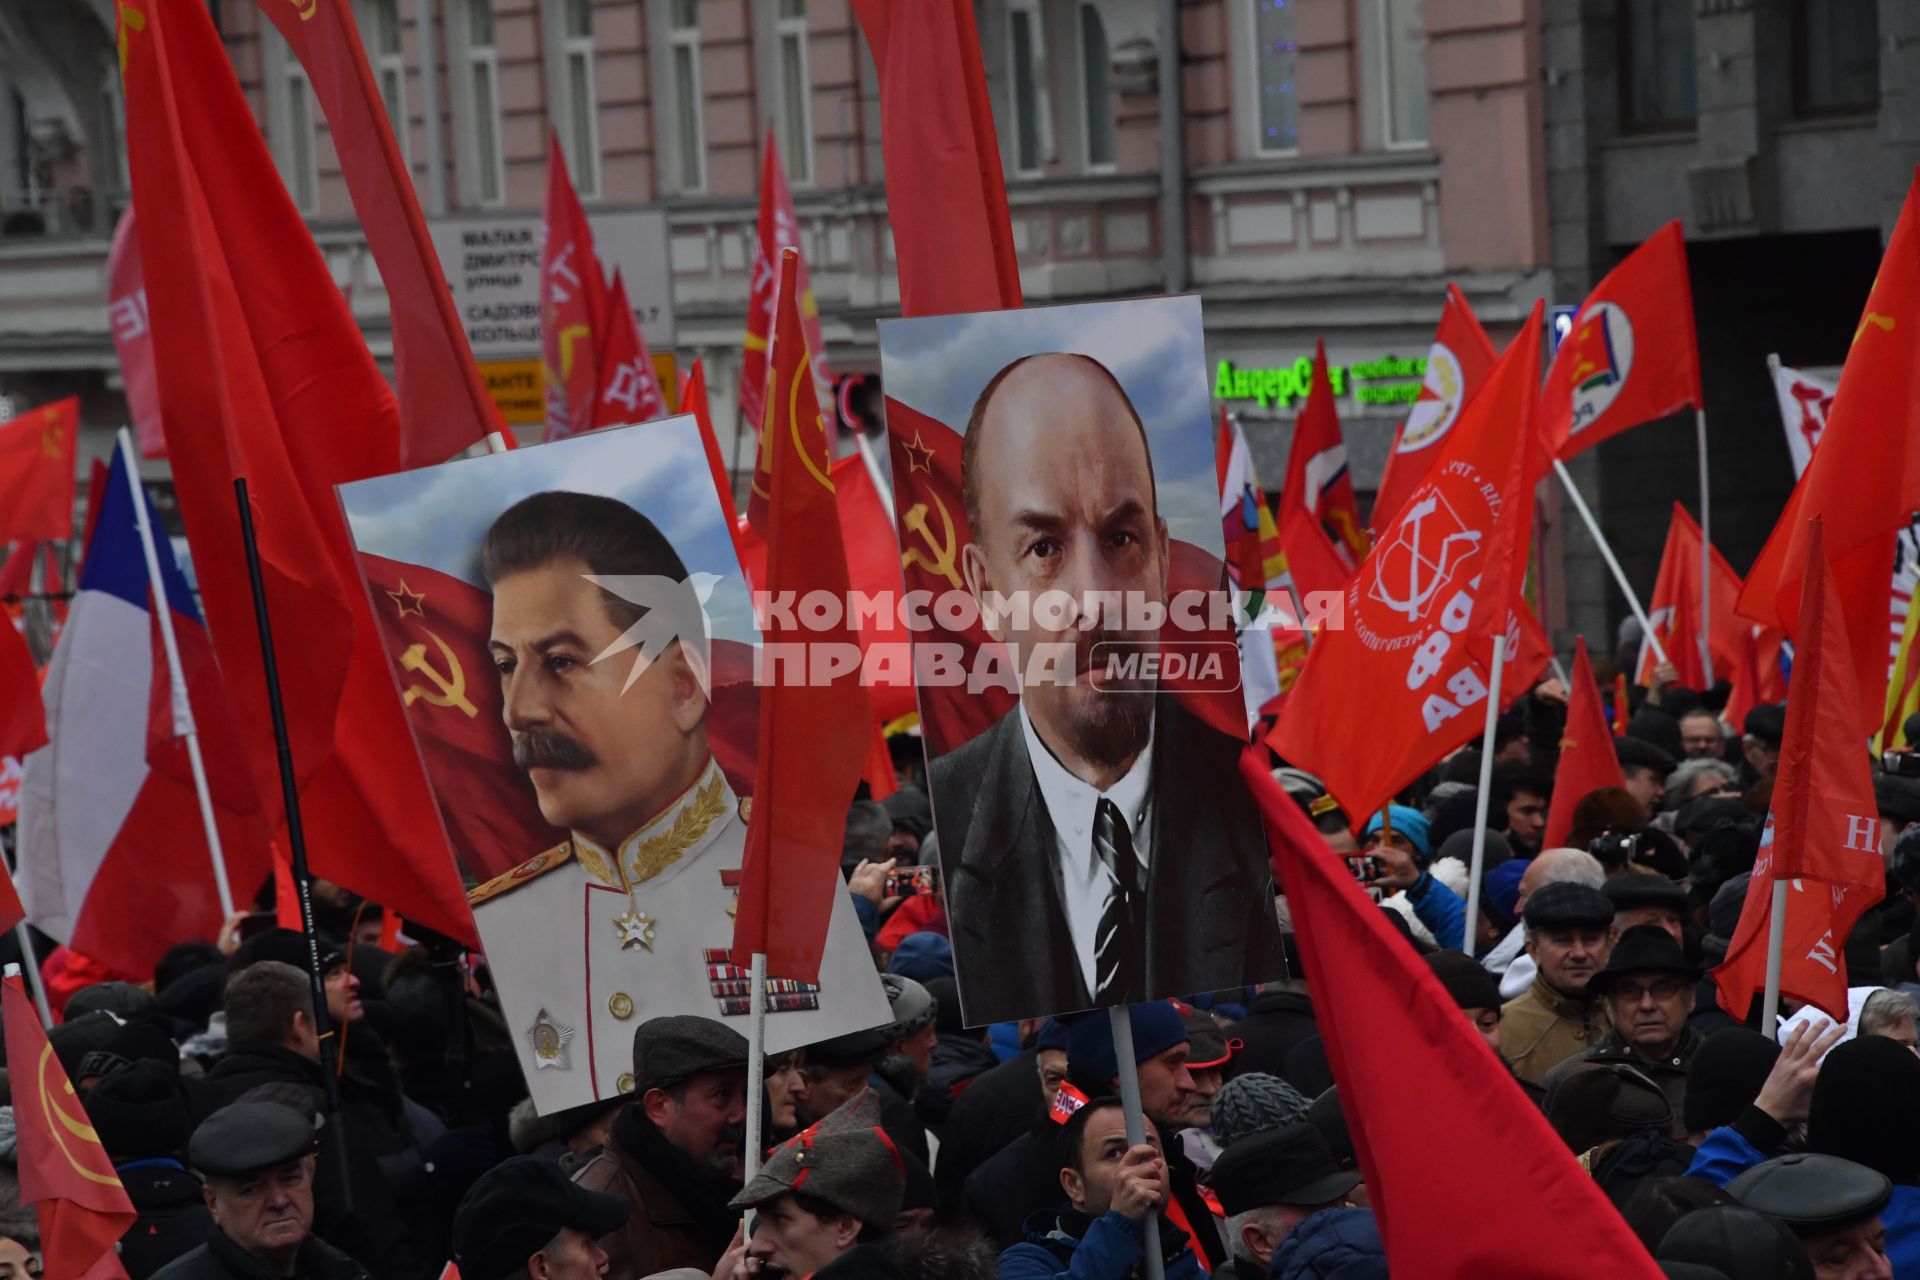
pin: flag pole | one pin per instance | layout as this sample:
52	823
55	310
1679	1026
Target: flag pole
1606	553
1120	1021
183	723
32	966
756	1062
1776	943
334	1134
1706	551
1480	801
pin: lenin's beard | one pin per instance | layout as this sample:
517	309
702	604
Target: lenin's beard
550	749
1109	726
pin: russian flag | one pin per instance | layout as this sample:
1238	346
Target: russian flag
114	858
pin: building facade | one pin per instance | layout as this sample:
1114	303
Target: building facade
1337	163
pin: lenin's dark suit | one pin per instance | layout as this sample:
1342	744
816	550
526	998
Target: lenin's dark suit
1209	909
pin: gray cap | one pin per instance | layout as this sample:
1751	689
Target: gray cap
247	1136
1566	903
846	1160
1812	1192
671	1049
913	1006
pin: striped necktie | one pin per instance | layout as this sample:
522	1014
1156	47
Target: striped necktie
1118	972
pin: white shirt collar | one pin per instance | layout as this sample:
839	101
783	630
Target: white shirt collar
1071	801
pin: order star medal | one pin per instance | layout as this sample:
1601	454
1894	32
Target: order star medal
636	929
549	1042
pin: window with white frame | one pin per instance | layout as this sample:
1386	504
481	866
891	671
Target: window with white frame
1096	81
1404	72
583	115
1275	59
1023	36
689	129
298	154
480	84
796	104
389	64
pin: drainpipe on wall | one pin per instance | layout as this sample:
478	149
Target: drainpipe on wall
430	108
1173	152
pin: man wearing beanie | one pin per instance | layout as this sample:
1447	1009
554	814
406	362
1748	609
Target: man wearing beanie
1728	1071
1402	851
1568	927
1002	1194
141	1114
1112	1189
1254	1103
828	1196
1473	989
674	1152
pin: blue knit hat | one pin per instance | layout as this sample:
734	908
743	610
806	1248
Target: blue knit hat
922	956
1410	823
1157	1027
1500	889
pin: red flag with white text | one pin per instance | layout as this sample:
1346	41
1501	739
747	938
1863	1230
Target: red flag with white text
573	305
629	389
1823	830
1438	581
132	339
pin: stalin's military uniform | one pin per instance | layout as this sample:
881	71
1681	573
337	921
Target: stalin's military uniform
586	943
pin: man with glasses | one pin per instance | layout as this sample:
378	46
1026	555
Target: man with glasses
1648	987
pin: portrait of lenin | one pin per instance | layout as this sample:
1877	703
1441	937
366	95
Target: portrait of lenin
1096	843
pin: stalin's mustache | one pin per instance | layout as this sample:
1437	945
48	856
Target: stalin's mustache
550	749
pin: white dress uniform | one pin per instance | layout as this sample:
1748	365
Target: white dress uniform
586	945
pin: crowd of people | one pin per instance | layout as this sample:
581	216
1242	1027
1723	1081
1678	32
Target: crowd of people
924	1148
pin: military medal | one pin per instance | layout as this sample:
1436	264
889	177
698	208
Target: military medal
636	929
549	1042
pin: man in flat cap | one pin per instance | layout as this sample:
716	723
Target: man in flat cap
832	1191
1112	1188
630	916
674	1152
1271	1183
522	1220
257	1160
1648	989
1643	899
1832	1205
1568	931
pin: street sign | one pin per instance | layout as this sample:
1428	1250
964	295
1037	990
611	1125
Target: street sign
493	268
515	388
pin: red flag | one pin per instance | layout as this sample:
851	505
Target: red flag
23	721
443	403
1389	1022
1823	831
1864	479
629	389
1675	610
946	198
64	1170
777	228
1439	579
1319	518
813	729
1587	758
1458	363
36	471
132	339
573	305
1630	356
877	772
1757	678
264	374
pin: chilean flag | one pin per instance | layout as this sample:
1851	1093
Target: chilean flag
113	855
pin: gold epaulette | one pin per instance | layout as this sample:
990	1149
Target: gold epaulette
531	869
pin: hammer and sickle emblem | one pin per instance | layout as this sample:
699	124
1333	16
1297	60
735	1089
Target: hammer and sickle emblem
945	548
452	687
1883	323
568	337
50	441
305	8
58	1118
